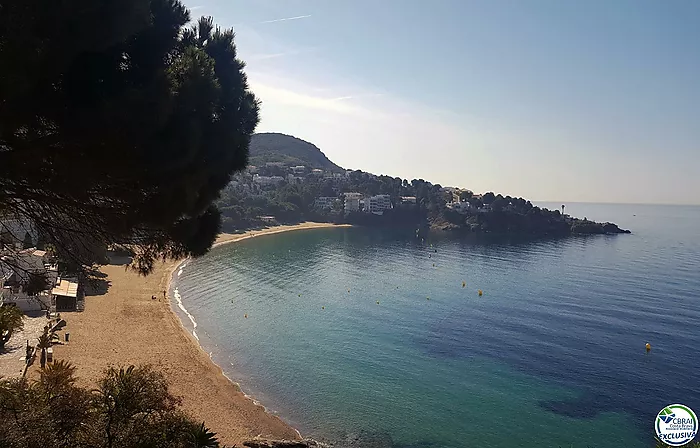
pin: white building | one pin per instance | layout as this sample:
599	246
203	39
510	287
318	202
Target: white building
299	169
325	202
352	202
18	273
377	204
267	180
317	172
459	207
408	200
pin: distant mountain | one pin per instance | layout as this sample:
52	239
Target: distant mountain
274	147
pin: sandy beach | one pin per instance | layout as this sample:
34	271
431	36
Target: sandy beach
123	325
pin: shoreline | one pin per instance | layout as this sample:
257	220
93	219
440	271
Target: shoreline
221	240
226	238
123	325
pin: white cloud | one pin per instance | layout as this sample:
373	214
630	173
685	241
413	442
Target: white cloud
275	95
367	130
376	131
385	134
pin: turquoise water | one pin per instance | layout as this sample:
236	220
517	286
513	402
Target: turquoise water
552	354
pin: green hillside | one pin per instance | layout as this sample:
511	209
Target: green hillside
274	147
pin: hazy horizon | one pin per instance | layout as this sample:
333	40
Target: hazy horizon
586	101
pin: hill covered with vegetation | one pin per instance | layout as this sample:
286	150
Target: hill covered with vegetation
265	194
275	147
415	203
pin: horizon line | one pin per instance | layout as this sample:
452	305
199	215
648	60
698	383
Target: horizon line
618	203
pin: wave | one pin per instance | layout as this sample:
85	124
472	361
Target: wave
178	300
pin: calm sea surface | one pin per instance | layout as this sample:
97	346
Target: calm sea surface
360	333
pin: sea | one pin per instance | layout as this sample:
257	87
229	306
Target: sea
380	338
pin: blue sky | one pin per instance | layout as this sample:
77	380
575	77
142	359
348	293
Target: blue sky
561	100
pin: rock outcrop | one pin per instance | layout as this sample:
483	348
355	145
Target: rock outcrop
609	227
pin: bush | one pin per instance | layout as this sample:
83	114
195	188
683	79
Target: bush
131	408
11	320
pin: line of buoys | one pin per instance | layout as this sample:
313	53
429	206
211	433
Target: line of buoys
648	347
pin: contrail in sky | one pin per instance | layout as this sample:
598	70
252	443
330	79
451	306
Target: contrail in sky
288	18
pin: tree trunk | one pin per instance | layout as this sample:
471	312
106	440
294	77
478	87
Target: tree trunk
43	358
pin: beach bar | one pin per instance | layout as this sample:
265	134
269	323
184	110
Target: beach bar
65	294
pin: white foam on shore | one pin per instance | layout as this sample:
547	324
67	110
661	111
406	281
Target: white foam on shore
178	300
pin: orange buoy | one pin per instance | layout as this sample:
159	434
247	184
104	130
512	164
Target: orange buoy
481	293
648	347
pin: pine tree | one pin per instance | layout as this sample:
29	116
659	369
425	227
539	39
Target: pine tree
118	124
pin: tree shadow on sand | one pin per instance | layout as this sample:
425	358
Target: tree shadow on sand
96	284
119	259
